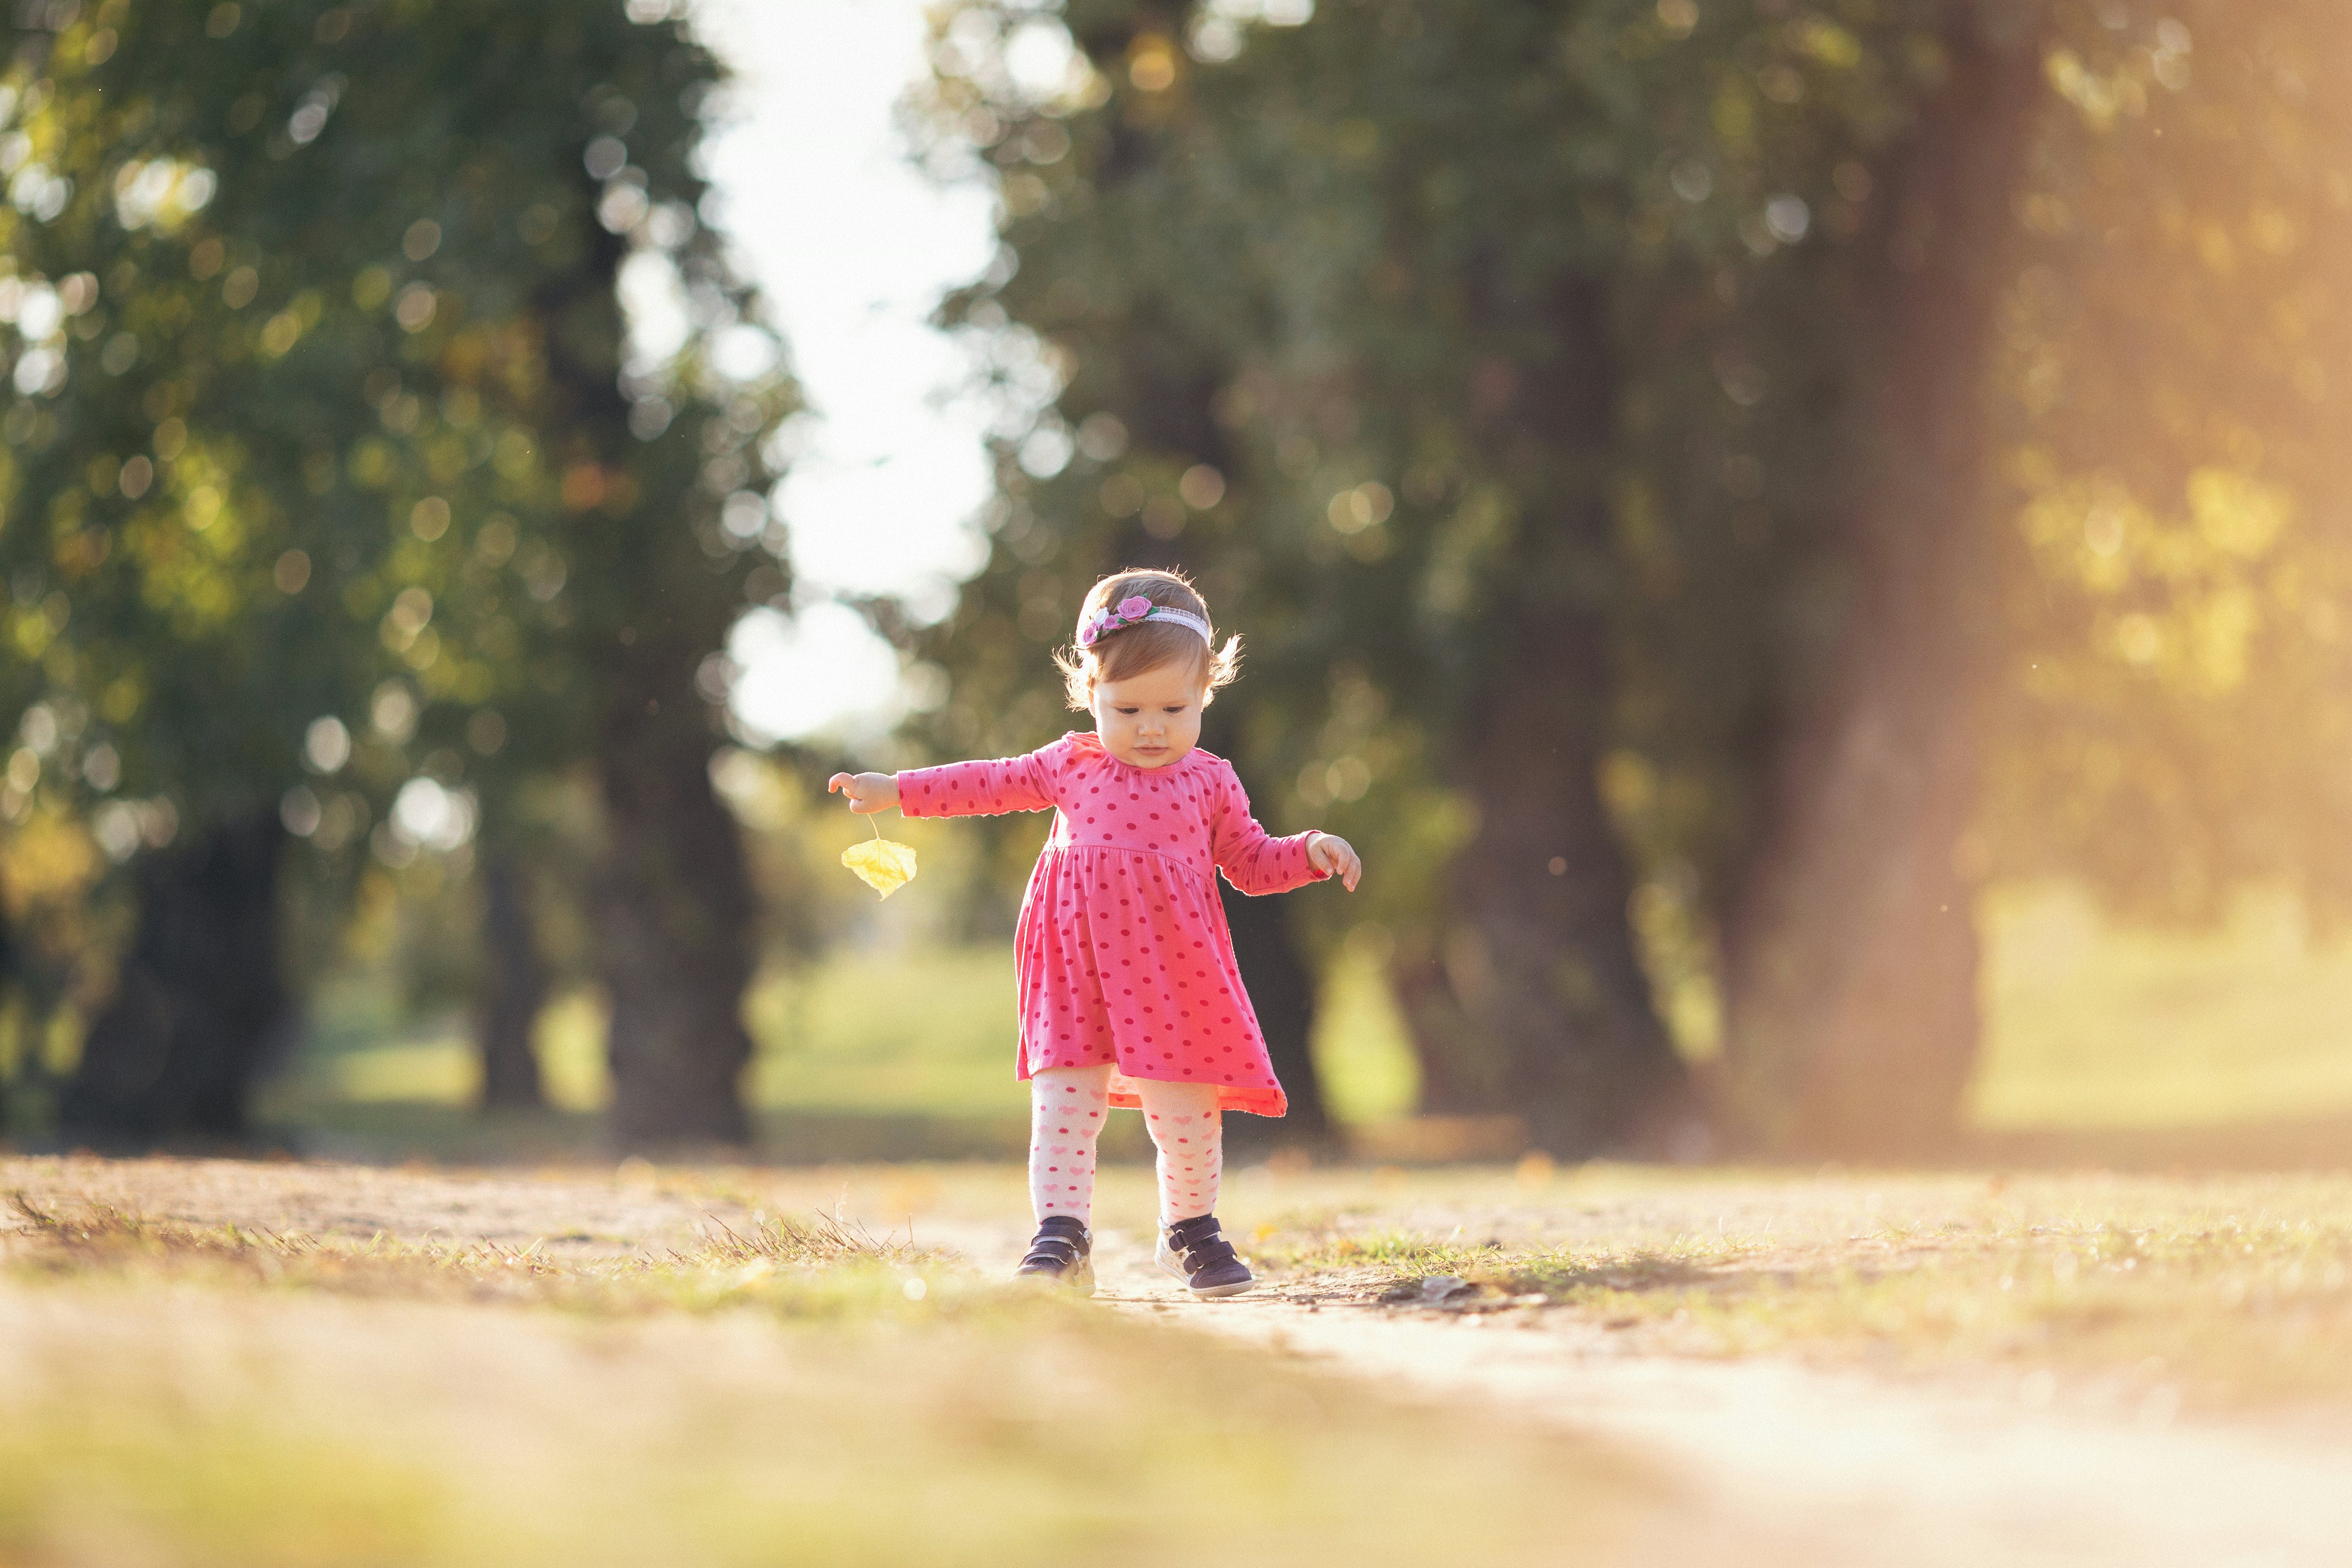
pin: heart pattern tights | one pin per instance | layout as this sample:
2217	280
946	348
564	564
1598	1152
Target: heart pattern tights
1066	1107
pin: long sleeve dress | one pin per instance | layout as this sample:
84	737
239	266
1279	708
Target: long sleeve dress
1122	953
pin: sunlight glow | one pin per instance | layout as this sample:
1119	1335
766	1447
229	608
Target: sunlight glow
852	247
820	670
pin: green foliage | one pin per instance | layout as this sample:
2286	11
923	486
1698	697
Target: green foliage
1420	324
2180	669
1324	262
322	400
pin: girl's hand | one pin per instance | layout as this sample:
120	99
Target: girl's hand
867	793
1334	857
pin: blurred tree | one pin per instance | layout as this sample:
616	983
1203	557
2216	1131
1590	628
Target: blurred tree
327	453
1637	358
57	933
193	1015
2072	281
1659	380
514	987
1392	397
1809	504
2179	701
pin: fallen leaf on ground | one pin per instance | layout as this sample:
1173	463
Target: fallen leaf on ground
884	866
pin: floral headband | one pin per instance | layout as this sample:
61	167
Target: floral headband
1134	610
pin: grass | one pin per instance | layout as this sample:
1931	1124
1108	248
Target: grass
201	1394
2092	1027
802	1268
2223	1292
848	1036
185	1384
1361	1053
2097	1025
929	1032
862	1056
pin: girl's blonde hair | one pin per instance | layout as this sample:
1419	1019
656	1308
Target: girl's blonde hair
1132	650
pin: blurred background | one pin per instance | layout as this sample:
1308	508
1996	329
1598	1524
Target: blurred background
1805	542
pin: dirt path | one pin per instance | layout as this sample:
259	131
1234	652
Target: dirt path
1785	1464
1805	1467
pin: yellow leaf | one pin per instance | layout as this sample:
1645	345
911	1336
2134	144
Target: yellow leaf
884	866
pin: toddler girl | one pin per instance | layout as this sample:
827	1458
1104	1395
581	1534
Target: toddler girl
1128	991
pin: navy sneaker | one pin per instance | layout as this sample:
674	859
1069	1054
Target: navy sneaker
1193	1252
1061	1255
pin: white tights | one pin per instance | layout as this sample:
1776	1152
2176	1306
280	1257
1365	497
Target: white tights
1066	1106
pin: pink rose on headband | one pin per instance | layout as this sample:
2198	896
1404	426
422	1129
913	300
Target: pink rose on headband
1134	607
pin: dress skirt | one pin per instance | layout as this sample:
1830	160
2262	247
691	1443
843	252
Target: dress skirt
1123	957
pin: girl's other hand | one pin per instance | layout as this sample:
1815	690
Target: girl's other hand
1334	857
867	793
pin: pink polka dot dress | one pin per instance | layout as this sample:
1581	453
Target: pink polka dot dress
1122	952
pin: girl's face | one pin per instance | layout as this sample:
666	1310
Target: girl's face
1152	719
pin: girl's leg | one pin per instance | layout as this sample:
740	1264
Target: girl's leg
1066	1117
1189	1132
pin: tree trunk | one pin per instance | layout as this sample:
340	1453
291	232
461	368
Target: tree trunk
1850	950
176	1053
1456	1079
1532	998
1540	960
514	988
672	906
18	1050
675	916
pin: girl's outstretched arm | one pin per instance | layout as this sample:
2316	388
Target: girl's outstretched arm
980	789
1253	859
867	793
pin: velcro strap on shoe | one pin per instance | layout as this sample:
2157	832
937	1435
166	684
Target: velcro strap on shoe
1187	1234
1059	1251
1199	1244
1208	1254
